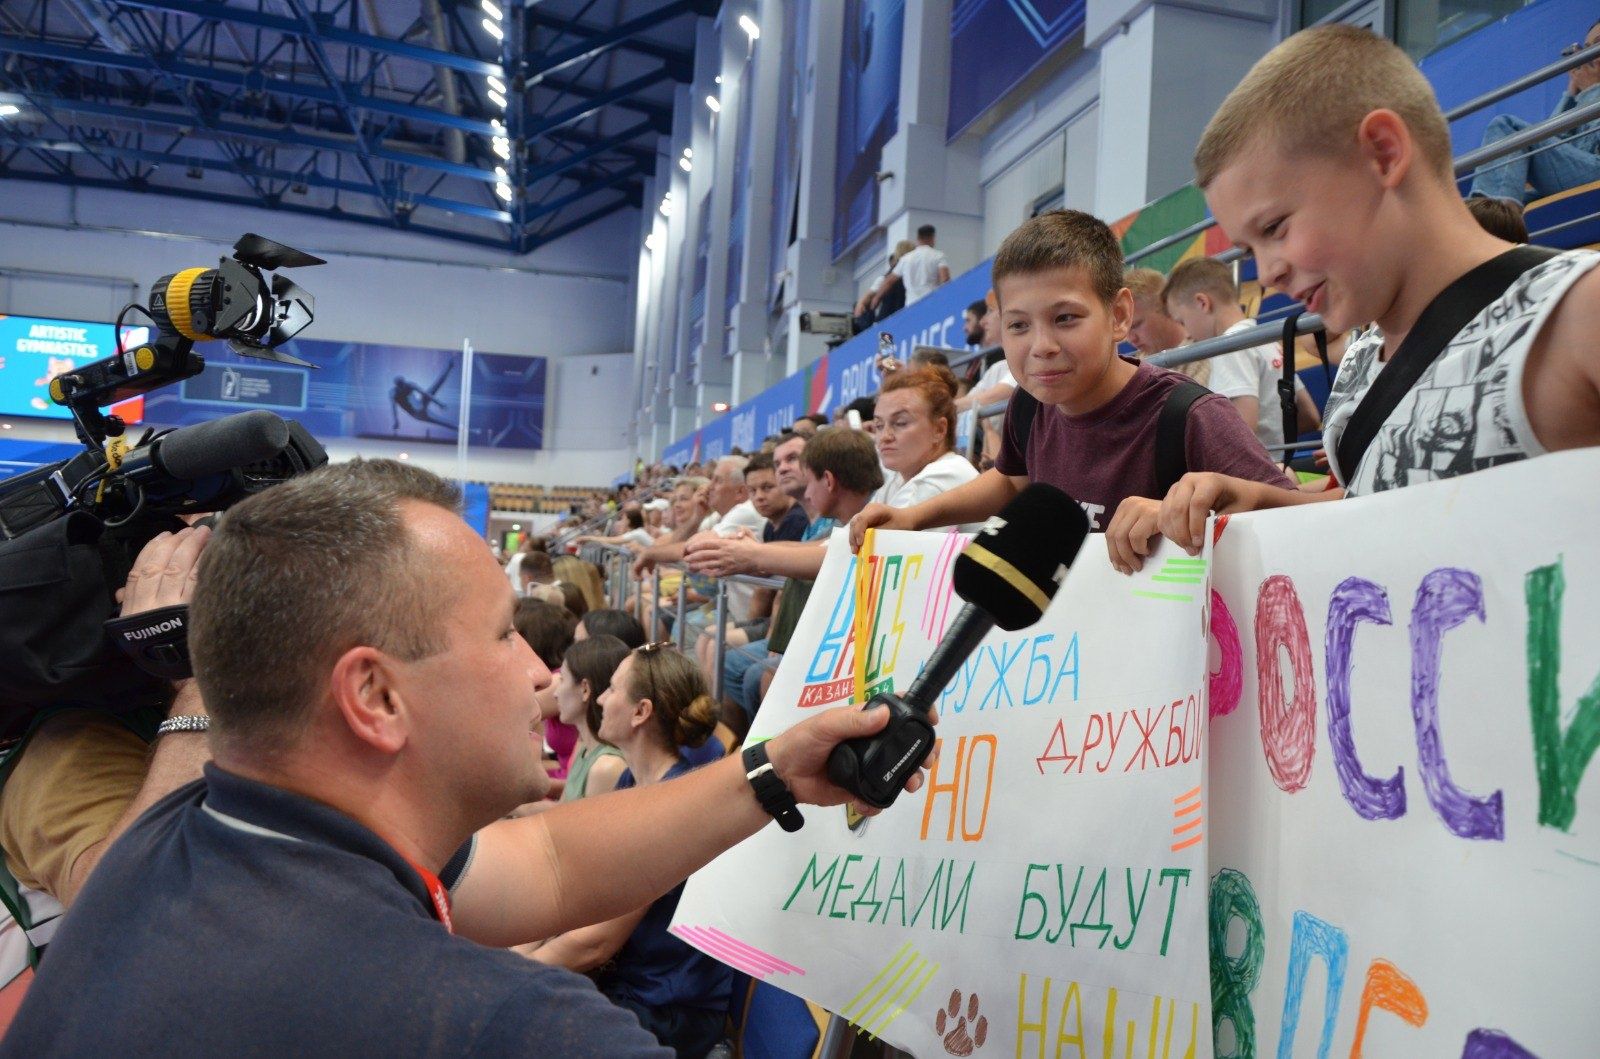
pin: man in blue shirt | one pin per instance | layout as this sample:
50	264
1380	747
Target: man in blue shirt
1553	165
372	707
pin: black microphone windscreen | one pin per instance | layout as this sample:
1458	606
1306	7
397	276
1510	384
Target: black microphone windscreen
222	444
1011	568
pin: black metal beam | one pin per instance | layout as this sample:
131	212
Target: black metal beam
599	41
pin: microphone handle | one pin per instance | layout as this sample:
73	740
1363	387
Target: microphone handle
970	626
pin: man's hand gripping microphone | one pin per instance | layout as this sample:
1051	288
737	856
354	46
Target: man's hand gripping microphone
1007	576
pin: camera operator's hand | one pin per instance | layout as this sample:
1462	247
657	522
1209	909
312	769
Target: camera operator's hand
165	572
800	755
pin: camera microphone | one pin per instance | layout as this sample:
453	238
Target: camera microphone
211	448
1007	577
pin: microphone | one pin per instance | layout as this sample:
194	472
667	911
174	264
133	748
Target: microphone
1007	577
220	445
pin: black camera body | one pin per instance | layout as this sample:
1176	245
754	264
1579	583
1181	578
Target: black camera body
875	768
69	532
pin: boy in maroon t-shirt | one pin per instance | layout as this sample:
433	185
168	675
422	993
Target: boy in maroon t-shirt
1058	280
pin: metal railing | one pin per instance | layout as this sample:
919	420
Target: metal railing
721	619
1207	348
1467	162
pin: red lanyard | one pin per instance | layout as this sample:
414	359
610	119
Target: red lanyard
436	891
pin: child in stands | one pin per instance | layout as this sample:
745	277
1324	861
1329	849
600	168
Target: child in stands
1330	162
1084	419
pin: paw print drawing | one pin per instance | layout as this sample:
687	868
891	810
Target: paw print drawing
962	1033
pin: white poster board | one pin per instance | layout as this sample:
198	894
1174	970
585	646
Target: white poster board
1048	886
1401	838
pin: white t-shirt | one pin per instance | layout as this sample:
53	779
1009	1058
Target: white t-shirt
1466	412
919	271
941	475
1254	372
740	516
996	374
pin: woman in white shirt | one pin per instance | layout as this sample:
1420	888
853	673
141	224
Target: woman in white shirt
915	422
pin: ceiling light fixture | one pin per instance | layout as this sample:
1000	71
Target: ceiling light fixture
503	190
8	109
749	26
500	174
719	406
685	165
496	84
688	152
492	9
499	100
716	107
494	29
650	242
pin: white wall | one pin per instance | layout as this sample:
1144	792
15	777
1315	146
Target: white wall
572	298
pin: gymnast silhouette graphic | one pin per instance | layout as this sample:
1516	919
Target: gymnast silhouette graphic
416	402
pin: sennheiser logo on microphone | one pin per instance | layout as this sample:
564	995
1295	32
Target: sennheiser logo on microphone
912	749
155	630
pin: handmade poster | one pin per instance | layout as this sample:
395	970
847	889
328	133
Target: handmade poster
1045	893
1405	828
1401	837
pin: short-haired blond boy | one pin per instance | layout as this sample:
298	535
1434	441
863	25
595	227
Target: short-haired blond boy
1330	162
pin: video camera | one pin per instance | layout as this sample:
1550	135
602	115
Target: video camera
69	532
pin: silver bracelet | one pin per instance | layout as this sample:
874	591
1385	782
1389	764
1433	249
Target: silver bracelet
184	722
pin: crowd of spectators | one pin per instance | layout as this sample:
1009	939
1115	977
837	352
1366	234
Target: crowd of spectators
373	769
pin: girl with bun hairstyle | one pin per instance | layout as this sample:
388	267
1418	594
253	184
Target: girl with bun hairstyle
915	422
657	702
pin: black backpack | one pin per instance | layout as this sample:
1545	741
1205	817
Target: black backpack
1172	461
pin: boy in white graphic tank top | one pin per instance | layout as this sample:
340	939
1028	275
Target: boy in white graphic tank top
1330	162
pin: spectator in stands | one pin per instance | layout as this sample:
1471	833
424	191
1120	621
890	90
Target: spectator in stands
586	672
916	434
891	293
635	537
1379	184
1152	330
655	703
572	570
610	622
786	519
1501	218
1556	164
731	510
360	743
530	567
655	518
995	384
921	270
1084	419
838	471
809	424
863	407
548	628
1202	297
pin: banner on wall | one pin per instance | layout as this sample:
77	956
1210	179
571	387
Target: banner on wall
1400	841
994	44
934	320
734	288
362	390
786	152
847	371
869	112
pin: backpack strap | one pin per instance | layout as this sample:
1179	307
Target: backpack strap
1022	410
1172	458
1291	417
1455	307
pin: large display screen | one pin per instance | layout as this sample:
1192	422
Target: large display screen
358	389
34	350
